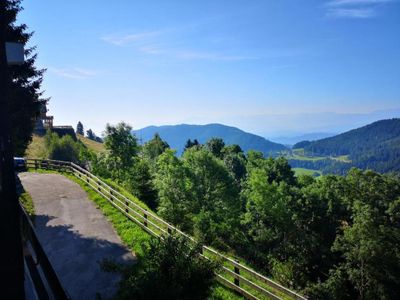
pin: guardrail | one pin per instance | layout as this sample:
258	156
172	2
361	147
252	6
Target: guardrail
233	274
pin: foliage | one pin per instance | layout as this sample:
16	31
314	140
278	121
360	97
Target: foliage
65	148
190	144
79	128
335	237
198	194
139	182
121	144
25	97
90	134
215	146
155	147
171	268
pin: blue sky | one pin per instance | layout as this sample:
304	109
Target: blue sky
168	62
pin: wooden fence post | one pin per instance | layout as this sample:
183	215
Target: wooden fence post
127	204
237	271
145	218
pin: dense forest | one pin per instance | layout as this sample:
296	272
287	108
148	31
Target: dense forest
334	237
375	146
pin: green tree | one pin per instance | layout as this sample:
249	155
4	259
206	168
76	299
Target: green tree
232	149
198	194
122	146
140	182
174	190
24	92
171	268
190	144
215	146
215	203
268	217
90	134
79	128
236	164
371	241
64	148
155	147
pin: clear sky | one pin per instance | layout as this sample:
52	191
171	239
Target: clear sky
167	62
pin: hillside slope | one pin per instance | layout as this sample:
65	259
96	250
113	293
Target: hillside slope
375	146
92	145
177	135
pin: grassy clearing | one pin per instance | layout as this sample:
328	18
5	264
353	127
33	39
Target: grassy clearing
308	158
131	234
92	145
303	171
342	158
36	148
299	154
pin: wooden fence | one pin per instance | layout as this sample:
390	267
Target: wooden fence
233	274
45	280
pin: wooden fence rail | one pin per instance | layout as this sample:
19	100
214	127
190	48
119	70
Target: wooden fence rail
233	274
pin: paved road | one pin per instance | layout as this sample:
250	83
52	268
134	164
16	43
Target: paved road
75	235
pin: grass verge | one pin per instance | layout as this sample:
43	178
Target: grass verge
27	203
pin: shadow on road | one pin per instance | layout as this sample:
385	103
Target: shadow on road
76	259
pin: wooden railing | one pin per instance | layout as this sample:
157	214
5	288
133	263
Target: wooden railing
233	274
45	280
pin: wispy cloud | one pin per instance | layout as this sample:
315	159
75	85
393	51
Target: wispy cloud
192	55
169	43
356	9
356	2
358	13
73	73
121	40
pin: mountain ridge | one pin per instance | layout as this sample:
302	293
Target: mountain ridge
374	146
177	135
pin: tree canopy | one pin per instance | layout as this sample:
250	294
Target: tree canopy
25	96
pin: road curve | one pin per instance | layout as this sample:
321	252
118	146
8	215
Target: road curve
75	235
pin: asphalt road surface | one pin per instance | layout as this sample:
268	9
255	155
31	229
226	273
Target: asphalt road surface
75	235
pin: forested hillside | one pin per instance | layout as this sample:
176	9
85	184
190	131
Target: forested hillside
330	238
177	135
375	146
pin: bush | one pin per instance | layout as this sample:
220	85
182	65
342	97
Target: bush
170	269
64	148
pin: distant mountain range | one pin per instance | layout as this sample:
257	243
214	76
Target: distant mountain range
177	135
291	140
295	124
375	146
